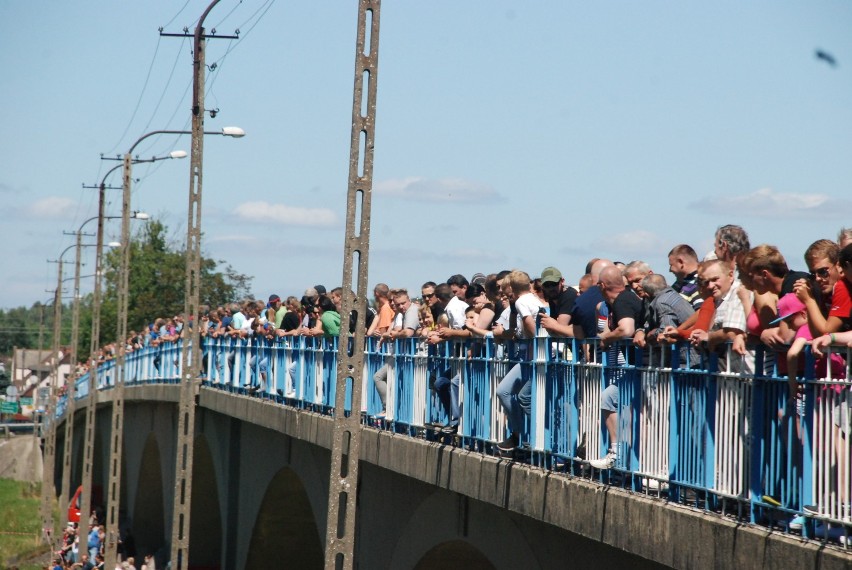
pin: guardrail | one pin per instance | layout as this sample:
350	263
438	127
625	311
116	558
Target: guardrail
8	428
693	427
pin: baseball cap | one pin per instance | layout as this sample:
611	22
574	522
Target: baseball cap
788	305
551	275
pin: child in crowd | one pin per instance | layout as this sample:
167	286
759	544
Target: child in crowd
792	310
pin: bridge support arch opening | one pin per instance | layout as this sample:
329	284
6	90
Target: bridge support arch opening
149	519
454	554
205	525
285	526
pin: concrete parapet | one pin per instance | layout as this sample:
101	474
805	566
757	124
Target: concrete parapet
653	529
670	534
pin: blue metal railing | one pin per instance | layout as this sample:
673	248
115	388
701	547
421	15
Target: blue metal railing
689	428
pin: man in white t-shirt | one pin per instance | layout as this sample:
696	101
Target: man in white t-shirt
448	389
514	391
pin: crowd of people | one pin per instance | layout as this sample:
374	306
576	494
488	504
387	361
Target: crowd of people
733	300
736	296
82	550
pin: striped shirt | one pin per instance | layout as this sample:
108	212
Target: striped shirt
688	289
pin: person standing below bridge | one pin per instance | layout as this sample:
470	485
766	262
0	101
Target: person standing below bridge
94	541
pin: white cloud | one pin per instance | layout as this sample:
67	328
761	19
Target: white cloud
766	203
634	242
53	208
286	215
437	190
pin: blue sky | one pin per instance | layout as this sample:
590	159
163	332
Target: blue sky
507	135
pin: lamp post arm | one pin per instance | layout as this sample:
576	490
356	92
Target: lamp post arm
169	132
66	250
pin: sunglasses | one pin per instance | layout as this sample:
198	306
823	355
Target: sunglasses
822	272
428	295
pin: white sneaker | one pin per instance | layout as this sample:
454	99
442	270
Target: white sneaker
655	485
605	462
797	522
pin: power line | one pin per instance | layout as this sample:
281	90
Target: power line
233	45
179	12
139	100
228	15
165	88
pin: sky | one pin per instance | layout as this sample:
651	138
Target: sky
508	135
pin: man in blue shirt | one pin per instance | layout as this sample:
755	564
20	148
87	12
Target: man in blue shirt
94	541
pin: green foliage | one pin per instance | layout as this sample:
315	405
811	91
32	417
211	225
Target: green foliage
158	281
19	514
20	327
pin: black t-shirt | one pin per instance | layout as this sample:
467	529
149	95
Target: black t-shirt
353	320
437	309
626	305
291	321
499	307
371	314
564	303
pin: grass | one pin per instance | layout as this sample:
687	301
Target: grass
19	514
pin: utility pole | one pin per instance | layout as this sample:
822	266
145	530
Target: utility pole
117	425
346	446
48	489
89	439
71	406
191	349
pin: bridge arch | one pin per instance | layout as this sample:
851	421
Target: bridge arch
205	524
489	538
454	554
285	526
149	518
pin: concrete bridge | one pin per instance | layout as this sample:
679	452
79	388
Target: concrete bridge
260	487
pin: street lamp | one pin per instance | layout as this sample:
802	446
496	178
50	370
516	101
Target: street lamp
191	349
88	453
65	491
48	483
116	438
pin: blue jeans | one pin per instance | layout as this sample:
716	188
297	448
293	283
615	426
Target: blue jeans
513	384
448	393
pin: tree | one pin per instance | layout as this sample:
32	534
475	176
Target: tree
20	326
157	281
